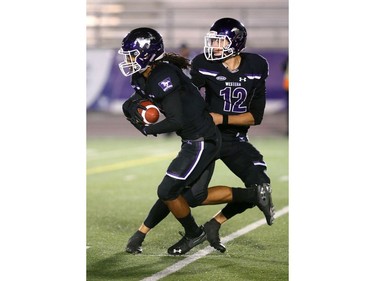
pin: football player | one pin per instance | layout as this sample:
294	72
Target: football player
235	90
158	77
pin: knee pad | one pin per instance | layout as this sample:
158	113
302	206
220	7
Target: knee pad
195	198
169	188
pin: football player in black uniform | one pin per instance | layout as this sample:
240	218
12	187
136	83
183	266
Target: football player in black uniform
158	77
235	90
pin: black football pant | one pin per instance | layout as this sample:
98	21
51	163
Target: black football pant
246	162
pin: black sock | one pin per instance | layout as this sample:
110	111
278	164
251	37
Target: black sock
190	226
243	198
140	235
215	223
232	209
248	195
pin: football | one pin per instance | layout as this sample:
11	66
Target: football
151	114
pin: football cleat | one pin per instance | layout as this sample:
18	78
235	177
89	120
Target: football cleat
134	245
212	230
186	244
265	202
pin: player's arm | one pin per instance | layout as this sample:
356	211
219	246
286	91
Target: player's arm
173	111
253	117
258	103
255	113
244	119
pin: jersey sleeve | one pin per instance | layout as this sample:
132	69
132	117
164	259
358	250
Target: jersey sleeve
197	78
173	110
258	102
164	81
164	88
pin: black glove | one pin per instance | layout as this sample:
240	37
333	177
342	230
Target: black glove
125	107
140	126
130	109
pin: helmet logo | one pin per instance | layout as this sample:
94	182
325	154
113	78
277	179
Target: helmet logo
235	30
143	42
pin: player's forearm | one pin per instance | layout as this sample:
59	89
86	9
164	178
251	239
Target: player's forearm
244	119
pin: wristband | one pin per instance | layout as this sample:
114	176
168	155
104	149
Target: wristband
225	120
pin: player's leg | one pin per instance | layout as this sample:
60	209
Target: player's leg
158	212
194	235
198	195
239	158
250	167
191	162
194	196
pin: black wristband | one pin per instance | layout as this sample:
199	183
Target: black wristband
225	119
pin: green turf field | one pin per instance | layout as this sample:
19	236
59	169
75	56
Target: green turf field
122	178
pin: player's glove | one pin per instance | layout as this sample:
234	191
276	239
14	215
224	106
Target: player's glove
130	108
140	126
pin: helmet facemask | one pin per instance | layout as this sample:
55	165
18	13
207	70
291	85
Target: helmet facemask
130	65
217	47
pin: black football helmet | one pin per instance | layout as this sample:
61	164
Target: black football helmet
226	38
141	47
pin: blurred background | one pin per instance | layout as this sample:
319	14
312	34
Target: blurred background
183	25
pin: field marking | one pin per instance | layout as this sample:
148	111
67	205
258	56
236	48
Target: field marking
200	254
129	164
97	154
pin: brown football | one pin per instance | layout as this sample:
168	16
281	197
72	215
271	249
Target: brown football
151	114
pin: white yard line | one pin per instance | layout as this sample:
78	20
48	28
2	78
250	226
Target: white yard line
204	252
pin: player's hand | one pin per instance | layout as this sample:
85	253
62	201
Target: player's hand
130	109
128	104
140	126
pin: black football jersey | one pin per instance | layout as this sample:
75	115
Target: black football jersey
185	110
230	93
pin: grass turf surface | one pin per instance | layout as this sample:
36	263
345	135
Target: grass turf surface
122	178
